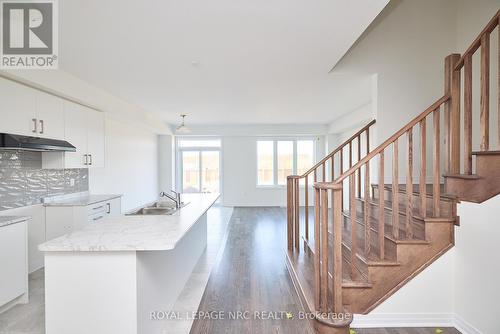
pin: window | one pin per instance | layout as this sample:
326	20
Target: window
199	165
276	159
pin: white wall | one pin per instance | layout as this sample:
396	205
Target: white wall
477	266
131	165
239	169
165	162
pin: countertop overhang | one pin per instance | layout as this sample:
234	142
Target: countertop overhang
135	233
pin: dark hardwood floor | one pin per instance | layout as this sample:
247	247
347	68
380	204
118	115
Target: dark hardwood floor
251	277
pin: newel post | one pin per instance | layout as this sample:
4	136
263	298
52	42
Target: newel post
452	114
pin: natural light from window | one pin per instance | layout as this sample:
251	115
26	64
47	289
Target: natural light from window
277	159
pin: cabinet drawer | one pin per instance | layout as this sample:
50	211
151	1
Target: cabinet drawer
96	218
97	208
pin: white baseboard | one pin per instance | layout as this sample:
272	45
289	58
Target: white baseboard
403	320
383	320
464	327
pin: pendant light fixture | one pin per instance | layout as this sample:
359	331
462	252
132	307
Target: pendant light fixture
183	129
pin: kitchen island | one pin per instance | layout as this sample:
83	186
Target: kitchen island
111	276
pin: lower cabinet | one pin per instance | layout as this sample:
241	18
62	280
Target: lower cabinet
61	220
36	232
13	261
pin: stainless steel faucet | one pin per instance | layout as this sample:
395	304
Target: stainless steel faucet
176	199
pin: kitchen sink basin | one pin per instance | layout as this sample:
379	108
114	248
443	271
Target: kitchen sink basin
157	208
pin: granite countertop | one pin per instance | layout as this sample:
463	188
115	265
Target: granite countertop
80	200
136	232
9	220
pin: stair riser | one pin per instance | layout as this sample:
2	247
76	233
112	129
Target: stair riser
390	246
418	225
446	207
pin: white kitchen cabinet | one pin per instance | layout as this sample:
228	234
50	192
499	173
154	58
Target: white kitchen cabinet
17	107
84	129
76	134
66	219
36	232
95	138
30	112
13	261
49	115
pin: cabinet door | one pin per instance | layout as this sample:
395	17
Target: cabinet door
50	116
17	108
114	207
13	280
95	135
36	232
76	134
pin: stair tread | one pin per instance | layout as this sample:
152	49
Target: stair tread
416	190
486	153
463	176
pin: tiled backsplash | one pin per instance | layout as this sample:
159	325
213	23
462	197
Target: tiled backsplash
24	182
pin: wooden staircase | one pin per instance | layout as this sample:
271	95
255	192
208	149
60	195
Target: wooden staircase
357	241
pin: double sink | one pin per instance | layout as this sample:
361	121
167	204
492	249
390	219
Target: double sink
157	208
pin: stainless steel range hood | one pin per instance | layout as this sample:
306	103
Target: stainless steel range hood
25	143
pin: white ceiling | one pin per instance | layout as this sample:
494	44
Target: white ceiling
220	61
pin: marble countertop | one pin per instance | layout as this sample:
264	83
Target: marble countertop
9	220
135	233
83	200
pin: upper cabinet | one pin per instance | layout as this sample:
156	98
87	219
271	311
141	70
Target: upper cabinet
84	128
49	116
17	106
29	112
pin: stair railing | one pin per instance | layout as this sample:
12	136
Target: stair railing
464	63
444	118
298	220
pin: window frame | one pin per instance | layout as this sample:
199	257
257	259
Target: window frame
275	141
179	164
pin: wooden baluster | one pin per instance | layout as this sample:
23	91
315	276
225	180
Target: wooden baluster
324	249
306	207
289	212
337	251
350	154
455	122
317	247
498	87
333	168
436	183
366	216
423	169
359	169
409	185
341	161
323	171
367	141
448	69
485	92
297	214
381	207
468	115
395	190
354	225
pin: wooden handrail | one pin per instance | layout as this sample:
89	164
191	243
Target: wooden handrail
389	141
338	149
477	42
